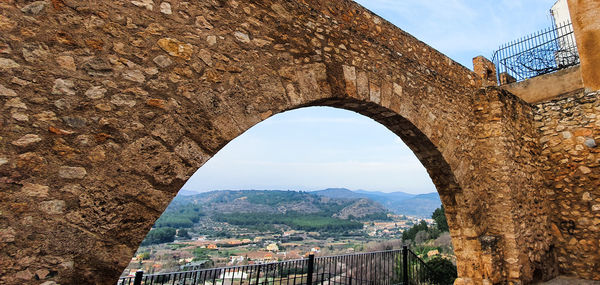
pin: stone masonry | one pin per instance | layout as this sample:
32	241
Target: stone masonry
570	129
108	107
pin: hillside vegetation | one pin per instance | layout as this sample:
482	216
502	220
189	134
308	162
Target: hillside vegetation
267	211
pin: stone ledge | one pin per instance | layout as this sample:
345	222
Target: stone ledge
547	86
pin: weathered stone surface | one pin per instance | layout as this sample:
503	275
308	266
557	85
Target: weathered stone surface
350	77
203	23
15	103
572	168
176	48
25	275
211	40
163	61
161	93
6	92
54	207
95	92
165	8
35	8
134	75
27	140
586	197
35	53
66	62
63	87
7	64
36	190
71	172
123	100
190	152
7	235
21	117
589	142
167	129
242	37
585	170
42	273
75	122
148	4
6	24
150	157
205	56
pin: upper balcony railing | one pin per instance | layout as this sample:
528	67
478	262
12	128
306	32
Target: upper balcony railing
540	53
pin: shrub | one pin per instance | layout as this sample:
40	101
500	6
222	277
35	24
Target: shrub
442	271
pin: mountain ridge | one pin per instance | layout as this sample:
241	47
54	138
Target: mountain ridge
420	205
281	202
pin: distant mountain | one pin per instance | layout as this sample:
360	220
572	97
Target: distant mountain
185	192
420	205
272	201
340	193
281	202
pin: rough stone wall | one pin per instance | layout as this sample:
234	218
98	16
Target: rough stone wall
570	132
507	141
109	106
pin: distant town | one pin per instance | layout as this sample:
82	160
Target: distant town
229	228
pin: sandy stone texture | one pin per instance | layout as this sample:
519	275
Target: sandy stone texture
119	102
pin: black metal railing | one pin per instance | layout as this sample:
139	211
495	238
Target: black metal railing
540	53
371	268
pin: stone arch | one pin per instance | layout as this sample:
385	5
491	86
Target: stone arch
106	116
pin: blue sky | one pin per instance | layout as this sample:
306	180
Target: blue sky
320	147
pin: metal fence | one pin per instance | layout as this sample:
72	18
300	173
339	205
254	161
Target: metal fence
540	53
372	268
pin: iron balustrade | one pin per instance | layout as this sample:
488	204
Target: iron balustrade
539	53
372	268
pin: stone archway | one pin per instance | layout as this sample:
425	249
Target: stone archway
106	116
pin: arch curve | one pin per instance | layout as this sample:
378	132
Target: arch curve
105	125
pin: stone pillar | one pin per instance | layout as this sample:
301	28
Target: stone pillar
586	24
486	71
506	78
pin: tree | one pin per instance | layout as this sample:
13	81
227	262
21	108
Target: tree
183	233
144	255
444	241
412	232
442	271
160	235
421	237
439	216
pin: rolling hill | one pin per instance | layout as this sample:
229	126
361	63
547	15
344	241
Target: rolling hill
280	202
420	205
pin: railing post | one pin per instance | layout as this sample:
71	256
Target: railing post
404	265
138	277
311	269
257	274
